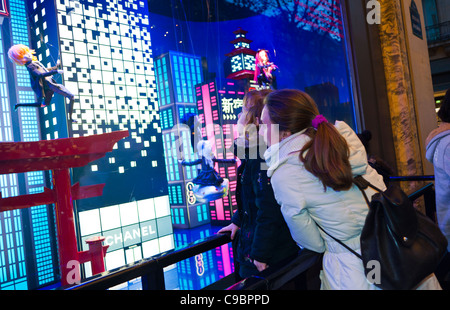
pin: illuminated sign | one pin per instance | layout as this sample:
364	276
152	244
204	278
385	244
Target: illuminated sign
131	235
199	265
143	228
231	107
191	199
242	62
106	54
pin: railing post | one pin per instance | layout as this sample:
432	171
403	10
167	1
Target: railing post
430	203
154	280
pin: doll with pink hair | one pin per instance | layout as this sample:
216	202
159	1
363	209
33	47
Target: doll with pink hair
42	82
264	70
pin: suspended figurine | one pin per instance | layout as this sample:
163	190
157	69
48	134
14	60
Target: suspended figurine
209	185
42	82
264	70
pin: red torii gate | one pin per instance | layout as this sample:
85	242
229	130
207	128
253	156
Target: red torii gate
60	155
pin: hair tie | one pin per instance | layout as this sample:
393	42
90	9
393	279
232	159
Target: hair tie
319	119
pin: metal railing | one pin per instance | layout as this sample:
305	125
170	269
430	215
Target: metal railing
438	33
150	270
427	191
301	272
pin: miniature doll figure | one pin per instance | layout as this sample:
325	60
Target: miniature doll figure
42	82
264	70
209	185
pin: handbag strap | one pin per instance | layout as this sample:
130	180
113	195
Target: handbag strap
341	243
362	184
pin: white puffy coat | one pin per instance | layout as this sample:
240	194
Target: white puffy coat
342	214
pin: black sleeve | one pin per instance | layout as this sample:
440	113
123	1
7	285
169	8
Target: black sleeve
34	71
269	217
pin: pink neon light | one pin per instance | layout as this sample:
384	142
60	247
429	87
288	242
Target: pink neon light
208	113
221	92
219	209
226	259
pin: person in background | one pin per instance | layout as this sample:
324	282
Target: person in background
258	229
438	153
312	164
381	166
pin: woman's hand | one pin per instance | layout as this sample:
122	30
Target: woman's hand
233	228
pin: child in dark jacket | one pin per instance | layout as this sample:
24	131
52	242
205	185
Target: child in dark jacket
258	229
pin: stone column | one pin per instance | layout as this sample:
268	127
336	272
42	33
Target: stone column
400	90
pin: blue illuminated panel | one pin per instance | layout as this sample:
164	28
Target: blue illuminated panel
107	60
12	258
6	133
203	269
176	74
105	51
173	173
13	253
187	73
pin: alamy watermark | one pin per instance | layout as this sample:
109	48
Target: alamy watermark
374	12
254	140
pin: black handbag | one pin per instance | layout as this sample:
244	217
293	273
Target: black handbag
406	245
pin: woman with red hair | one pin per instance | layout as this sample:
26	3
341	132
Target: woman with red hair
264	69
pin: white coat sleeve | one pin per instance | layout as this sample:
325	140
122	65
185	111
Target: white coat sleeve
303	229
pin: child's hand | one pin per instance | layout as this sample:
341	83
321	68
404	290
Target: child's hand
233	228
260	266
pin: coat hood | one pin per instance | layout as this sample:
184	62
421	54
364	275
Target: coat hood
287	151
434	138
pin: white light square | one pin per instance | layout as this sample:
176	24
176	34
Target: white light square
89	222
129	213
162	206
110	217
115	259
150	248
146	209
166	243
